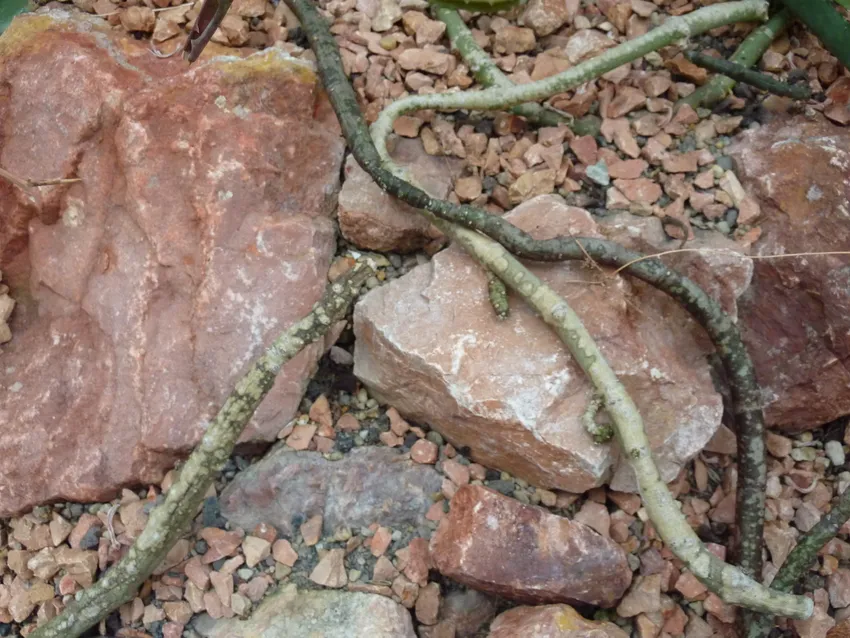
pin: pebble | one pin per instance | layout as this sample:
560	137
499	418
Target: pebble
835	452
599	173
800	454
724	162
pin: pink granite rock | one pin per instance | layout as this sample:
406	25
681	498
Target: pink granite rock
201	228
497	545
792	318
510	391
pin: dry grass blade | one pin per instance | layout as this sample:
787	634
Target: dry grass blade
845	253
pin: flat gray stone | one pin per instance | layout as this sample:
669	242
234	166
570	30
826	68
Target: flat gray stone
368	485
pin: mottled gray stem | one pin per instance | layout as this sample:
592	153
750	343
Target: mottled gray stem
747	54
172	518
488	74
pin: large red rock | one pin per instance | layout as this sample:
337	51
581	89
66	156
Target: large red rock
497	545
794	315
550	621
201	228
510	391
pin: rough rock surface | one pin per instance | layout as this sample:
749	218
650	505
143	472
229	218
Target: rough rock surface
370	218
510	391
330	614
496	544
792	316
369	485
550	621
200	229
466	611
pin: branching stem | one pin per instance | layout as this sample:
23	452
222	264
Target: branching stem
502	97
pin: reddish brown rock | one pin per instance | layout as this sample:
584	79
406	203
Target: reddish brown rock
428	604
200	230
644	596
498	545
443	338
792	317
642	190
627	169
371	219
426	60
585	148
680	65
424	451
586	43
550	621
627	100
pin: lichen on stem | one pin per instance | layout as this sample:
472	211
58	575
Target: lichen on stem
747	54
802	557
488	74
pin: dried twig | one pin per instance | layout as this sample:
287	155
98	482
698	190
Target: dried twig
26	184
637	260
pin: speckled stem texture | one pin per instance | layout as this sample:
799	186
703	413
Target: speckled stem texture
740	73
172	518
502	97
745	392
802	557
747	54
488	74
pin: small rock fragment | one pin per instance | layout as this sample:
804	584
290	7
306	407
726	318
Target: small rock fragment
311	530
330	572
428	604
283	552
255	549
